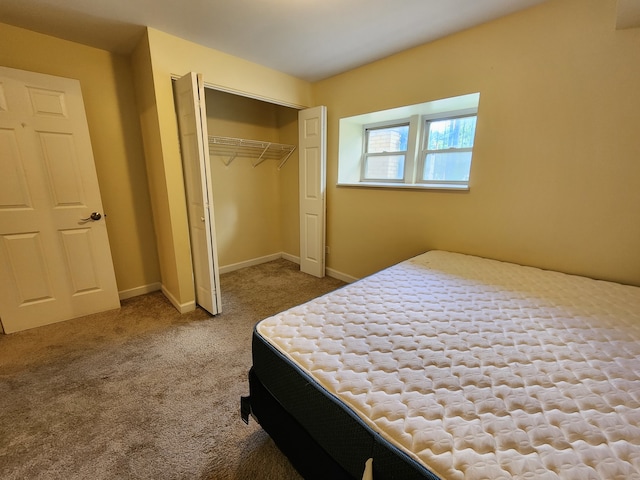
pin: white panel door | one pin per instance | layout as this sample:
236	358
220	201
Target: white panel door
55	259
312	126
192	120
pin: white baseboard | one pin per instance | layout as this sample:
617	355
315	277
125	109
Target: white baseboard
181	307
291	258
134	292
340	276
287	256
154	287
257	261
190	306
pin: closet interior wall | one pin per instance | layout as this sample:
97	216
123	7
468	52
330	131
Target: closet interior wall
255	207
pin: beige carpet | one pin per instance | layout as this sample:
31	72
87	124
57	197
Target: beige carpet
144	392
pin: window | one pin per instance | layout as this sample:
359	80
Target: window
428	145
447	149
385	153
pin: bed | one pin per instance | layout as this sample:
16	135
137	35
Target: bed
450	366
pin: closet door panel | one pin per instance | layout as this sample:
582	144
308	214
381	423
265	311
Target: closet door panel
191	110
312	126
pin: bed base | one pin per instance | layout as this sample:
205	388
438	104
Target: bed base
304	453
321	437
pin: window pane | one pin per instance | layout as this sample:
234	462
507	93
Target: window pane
449	166
385	167
390	139
452	133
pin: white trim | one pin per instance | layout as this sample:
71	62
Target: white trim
262	98
421	158
243	93
405	186
190	306
249	263
460	112
291	258
134	292
287	256
366	155
341	276
182	308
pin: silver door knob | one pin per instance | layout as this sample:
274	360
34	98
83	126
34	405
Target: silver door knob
94	217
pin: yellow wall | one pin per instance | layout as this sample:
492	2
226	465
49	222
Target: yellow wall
288	175
171	247
249	211
168	57
108	94
555	180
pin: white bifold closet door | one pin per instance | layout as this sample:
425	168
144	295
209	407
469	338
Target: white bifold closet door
192	122
312	136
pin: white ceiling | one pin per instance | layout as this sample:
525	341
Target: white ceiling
310	39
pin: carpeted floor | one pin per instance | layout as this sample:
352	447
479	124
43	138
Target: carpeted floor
144	392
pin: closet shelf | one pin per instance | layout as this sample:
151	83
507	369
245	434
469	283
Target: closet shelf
240	147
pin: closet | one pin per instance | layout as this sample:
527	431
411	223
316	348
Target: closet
255	183
254	171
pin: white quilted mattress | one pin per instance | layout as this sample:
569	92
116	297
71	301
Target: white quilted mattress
481	369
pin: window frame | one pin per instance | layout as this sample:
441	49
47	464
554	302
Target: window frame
352	138
424	150
366	155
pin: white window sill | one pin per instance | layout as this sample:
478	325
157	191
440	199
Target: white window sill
406	186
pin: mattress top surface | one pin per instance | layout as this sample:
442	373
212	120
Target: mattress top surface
479	368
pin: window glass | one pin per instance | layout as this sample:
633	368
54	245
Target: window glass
448	166
385	167
385	153
449	146
387	139
451	133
